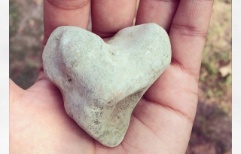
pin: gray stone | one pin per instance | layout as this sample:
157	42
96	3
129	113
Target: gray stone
101	83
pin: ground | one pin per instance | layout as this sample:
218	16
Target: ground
212	127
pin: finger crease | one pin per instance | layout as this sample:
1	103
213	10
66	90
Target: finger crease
69	4
185	69
147	127
189	30
182	114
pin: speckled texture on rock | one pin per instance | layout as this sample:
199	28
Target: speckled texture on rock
101	83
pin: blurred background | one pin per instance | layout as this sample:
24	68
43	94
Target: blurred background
212	131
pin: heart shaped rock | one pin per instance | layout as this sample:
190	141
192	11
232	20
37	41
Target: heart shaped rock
101	83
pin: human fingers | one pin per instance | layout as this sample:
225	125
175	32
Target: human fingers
65	13
187	36
157	11
188	32
108	16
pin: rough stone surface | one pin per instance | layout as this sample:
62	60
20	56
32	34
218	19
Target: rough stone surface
101	83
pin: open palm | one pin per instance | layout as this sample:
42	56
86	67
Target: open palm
162	120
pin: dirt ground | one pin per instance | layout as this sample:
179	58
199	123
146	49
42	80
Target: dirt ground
212	127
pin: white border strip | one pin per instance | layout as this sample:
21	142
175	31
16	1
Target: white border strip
4	77
236	69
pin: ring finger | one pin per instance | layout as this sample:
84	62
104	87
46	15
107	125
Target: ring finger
160	12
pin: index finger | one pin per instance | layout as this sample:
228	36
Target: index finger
65	13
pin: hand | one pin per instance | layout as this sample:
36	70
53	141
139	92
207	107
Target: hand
162	120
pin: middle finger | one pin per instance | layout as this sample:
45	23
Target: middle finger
108	16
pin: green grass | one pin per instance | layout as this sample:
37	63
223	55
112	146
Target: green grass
14	18
217	54
26	30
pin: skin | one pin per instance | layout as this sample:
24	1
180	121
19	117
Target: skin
162	120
